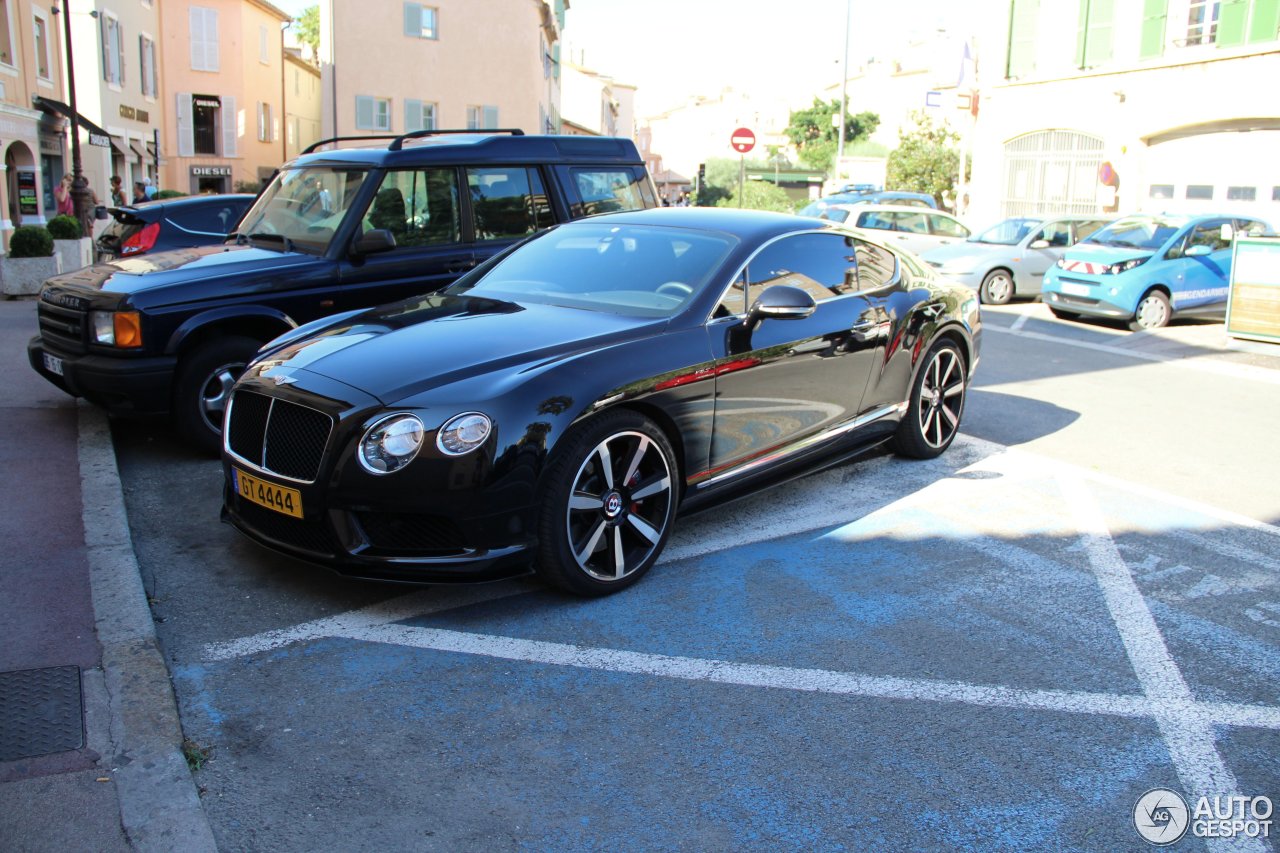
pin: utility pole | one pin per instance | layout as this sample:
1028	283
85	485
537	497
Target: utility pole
81	197
844	84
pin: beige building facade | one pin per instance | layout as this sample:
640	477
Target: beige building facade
302	104
224	87
701	128
595	103
33	138
458	64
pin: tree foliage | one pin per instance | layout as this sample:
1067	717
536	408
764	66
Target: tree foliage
926	160
307	26
722	180
760	195
815	132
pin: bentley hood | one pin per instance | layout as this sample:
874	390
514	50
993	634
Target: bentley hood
399	350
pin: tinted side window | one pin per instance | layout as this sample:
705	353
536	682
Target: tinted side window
1055	234
835	214
207	218
823	265
1209	234
875	220
916	223
1251	227
1084	229
876	265
606	190
507	203
419	207
948	227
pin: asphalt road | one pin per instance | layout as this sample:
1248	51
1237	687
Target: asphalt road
1000	649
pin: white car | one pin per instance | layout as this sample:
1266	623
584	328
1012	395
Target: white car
915	229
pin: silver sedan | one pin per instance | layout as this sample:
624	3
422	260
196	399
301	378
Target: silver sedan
1010	258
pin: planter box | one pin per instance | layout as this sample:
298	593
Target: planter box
24	276
75	254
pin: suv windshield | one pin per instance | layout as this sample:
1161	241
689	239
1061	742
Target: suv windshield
619	269
1007	233
302	208
1138	232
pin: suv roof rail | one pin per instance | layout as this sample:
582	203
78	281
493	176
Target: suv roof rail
397	141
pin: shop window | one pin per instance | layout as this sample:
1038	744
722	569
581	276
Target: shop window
205	122
1242	193
1161	191
1200	192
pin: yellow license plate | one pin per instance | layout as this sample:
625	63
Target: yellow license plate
279	498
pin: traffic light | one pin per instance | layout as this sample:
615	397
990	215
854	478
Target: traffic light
702	176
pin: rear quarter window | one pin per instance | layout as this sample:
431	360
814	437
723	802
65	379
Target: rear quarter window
208	218
610	190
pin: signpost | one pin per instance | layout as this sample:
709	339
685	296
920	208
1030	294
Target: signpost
743	140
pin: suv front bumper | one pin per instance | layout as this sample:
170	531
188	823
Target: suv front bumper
122	386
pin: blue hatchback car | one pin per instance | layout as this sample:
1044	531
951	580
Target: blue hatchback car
1148	269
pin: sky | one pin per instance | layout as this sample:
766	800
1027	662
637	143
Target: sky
673	49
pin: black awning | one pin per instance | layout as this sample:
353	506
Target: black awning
58	108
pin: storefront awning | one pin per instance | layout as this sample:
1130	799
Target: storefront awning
121	148
139	149
97	136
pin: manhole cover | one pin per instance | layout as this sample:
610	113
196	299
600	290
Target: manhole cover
40	712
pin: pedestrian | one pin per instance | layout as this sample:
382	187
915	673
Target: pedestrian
139	192
62	197
117	191
148	188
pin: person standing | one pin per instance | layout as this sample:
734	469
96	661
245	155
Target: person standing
139	192
62	196
117	191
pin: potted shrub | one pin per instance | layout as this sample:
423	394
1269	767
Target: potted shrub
163	194
30	261
75	250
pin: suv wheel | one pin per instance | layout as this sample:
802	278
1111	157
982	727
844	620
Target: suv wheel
203	388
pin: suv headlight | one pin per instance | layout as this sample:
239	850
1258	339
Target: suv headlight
391	443
1124	266
121	329
463	433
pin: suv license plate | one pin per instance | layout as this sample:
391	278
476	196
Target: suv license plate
279	498
52	363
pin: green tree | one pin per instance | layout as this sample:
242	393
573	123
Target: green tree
760	195
926	160
722	180
307	26
815	132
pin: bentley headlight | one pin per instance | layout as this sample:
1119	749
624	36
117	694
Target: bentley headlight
391	443
464	433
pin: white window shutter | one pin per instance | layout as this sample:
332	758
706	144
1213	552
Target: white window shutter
364	112
413	19
230	127
412	115
195	16
186	126
490	117
120	49
211	38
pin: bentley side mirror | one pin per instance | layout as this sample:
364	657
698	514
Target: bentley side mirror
372	242
782	302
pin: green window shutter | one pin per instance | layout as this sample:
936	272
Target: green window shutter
1265	23
1082	33
412	115
1094	33
1154	15
1232	16
1023	16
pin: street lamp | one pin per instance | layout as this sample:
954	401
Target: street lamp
81	196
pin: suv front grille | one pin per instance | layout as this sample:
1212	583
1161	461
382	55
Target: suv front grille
277	436
62	327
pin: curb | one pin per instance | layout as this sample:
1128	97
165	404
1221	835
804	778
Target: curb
159	807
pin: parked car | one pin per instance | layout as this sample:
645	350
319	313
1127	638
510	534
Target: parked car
1010	258
914	229
1147	269
555	408
335	230
898	197
178	223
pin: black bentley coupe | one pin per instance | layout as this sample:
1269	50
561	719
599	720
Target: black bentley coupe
555	408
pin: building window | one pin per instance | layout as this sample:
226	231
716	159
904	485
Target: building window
482	117
1275	193
264	123
112	51
1161	191
6	40
1242	193
147	60
1200	192
373	113
419	115
1202	22
205	121
42	47
204	39
421	21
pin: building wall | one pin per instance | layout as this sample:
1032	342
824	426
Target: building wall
699	130
302	105
240	84
1164	113
514	37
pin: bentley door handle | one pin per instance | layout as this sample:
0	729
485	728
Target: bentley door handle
868	330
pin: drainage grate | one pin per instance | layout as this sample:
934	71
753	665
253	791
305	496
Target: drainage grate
40	712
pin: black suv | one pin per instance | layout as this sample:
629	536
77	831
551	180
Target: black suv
336	230
179	223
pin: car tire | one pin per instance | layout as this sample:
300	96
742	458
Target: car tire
932	419
203	387
1063	315
1153	312
608	504
997	288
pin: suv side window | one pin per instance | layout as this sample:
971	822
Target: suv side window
418	206
508	202
608	190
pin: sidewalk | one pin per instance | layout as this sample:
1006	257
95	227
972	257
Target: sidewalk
89	736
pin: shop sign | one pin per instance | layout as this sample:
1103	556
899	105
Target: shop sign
28	194
210	171
134	114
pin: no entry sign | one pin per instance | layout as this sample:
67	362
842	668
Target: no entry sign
743	140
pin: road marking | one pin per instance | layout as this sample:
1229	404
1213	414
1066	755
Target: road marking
1190	740
1020	322
1222	368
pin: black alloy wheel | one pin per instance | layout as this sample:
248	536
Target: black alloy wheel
203	389
609	505
932	419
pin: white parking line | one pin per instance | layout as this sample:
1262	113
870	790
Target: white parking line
1020	322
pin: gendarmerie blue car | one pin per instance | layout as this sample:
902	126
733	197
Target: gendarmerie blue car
556	407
